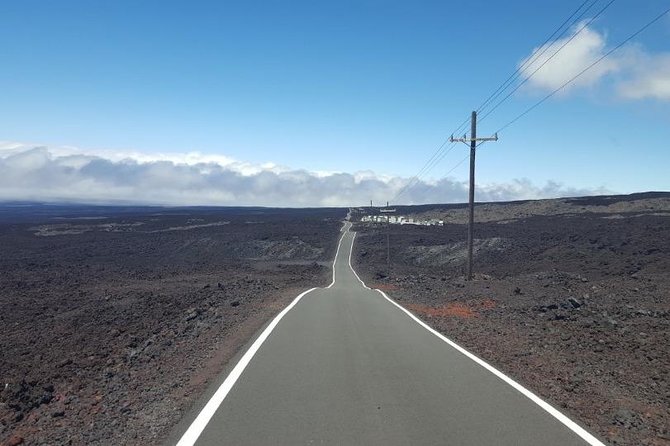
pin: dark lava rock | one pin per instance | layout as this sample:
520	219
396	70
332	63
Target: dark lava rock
626	418
192	314
98	317
24	396
609	285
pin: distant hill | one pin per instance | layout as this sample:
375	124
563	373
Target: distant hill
27	211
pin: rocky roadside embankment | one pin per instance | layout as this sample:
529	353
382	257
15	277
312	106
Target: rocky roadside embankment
108	336
575	307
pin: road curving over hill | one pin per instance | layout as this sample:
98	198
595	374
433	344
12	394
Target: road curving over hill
345	365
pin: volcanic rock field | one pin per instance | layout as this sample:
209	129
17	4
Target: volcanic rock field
570	297
114	320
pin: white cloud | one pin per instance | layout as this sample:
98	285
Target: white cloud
69	174
584	49
635	72
651	78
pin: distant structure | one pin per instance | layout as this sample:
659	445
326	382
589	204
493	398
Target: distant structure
400	220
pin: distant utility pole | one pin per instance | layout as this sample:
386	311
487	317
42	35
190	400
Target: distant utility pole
388	241
388	235
473	146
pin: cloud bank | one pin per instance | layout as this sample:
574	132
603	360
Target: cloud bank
634	72
72	175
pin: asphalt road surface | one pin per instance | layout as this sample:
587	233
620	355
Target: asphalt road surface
346	366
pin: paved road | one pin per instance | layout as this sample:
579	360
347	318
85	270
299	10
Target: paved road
345	366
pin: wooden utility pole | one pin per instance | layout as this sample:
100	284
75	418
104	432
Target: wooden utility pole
388	241
473	146
388	211
388	246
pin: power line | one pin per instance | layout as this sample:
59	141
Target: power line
632	36
550	57
438	156
432	162
512	77
415	178
440	153
457	165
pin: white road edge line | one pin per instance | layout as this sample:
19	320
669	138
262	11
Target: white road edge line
351	267
200	423
195	429
577	429
337	253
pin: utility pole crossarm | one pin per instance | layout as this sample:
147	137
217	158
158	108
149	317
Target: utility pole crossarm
466	140
490	138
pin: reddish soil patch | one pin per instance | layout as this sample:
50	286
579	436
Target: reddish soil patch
453	309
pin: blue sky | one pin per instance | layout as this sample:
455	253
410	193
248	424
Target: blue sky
345	86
